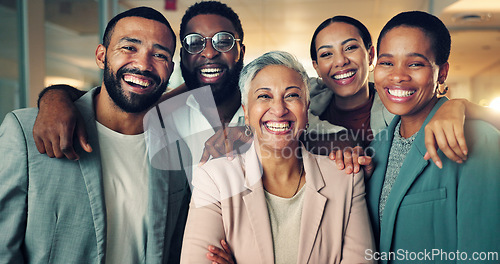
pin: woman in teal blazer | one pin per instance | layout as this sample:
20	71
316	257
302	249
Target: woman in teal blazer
420	213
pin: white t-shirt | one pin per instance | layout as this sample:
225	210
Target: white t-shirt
125	173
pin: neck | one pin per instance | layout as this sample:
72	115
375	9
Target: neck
229	106
354	101
112	117
411	124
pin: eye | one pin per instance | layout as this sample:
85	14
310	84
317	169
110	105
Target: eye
417	64
162	57
385	63
351	47
292	95
325	54
263	96
129	48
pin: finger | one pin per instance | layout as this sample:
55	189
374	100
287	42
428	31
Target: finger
332	155
431	146
445	144
368	166
48	148
339	159
355	162
219	254
39	145
204	157
67	149
461	148
226	247
452	144
229	149
81	134
348	163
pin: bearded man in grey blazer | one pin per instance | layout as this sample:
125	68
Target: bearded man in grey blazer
111	205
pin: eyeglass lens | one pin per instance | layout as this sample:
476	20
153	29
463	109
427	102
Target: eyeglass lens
195	43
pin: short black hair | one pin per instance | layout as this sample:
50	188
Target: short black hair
432	26
211	8
363	32
144	12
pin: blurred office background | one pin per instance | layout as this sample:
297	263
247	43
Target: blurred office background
45	42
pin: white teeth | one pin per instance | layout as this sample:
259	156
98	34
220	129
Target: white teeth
400	93
211	72
344	75
135	80
278	126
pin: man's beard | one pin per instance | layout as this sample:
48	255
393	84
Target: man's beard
134	103
221	91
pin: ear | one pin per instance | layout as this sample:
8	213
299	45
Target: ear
246	114
443	72
371	53
100	56
242	51
316	67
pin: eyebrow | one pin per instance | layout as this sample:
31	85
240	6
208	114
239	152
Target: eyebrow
138	41
268	89
412	54
342	43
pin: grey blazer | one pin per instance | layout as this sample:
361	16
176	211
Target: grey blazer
53	210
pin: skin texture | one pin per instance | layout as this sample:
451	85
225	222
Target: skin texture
406	64
281	100
228	63
141	50
341	50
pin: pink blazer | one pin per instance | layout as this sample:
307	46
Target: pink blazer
228	203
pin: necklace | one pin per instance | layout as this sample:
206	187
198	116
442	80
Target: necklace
300	179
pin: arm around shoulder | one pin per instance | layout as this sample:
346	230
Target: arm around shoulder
13	190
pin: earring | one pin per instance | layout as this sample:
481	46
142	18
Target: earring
307	125
444	91
248	131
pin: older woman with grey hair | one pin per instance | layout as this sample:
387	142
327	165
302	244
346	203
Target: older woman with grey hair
276	203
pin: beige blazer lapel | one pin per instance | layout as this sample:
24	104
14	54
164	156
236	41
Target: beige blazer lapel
256	206
314	206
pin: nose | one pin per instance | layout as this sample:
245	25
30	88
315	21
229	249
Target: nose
209	52
399	74
143	61
278	108
340	60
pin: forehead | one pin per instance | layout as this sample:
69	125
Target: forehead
146	30
411	39
277	76
209	24
338	31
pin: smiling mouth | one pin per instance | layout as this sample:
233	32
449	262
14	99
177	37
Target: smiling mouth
211	72
136	81
278	126
400	93
344	75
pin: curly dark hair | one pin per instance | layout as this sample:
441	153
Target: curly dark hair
212	8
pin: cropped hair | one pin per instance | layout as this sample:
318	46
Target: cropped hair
432	26
211	8
280	58
144	12
363	32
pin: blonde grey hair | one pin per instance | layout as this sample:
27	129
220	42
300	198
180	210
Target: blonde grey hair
280	58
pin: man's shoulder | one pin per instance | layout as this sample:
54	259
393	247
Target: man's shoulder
25	118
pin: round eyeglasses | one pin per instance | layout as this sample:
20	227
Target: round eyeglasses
222	42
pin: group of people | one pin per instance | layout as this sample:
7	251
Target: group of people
109	198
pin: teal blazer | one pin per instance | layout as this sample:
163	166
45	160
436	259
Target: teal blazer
53	210
438	210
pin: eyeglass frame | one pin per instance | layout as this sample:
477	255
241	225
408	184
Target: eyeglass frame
205	42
